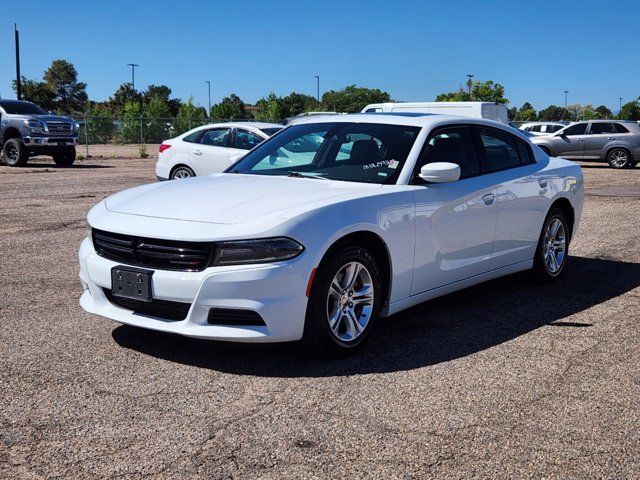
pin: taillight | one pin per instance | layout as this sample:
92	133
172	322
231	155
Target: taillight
163	147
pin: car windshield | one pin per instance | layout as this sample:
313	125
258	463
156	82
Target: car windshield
271	130
22	108
353	152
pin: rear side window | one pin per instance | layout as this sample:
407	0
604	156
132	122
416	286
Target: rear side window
246	140
216	137
526	157
577	129
606	127
453	145
192	137
620	128
500	150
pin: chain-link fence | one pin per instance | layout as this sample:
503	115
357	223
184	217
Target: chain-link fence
130	136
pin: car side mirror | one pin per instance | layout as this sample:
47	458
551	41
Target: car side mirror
440	172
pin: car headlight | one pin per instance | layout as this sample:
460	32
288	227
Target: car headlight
33	126
256	251
76	127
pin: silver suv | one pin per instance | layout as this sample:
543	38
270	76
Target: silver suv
614	141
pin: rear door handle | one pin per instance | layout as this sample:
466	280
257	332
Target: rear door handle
197	152
611	138
488	198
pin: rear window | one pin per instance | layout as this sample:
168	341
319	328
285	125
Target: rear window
192	137
597	128
620	128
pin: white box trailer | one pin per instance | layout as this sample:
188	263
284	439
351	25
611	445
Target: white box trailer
487	110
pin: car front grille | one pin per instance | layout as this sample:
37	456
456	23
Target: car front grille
59	128
153	253
155	308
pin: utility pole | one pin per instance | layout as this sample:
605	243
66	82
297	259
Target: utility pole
469	84
208	82
565	98
133	74
317	77
18	79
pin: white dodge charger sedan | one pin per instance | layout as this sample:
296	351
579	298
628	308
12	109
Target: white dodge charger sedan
329	225
210	148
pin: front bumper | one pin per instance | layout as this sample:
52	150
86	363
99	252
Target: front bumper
275	291
62	141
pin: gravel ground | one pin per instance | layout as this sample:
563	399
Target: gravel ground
503	380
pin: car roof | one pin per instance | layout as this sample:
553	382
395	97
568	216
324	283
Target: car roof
258	125
10	102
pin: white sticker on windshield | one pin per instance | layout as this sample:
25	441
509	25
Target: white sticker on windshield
393	163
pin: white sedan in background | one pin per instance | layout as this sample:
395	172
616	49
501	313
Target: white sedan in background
210	148
378	213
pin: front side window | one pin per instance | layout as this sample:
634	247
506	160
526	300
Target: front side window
216	137
500	149
246	140
599	128
553	128
355	152
454	145
577	129
536	128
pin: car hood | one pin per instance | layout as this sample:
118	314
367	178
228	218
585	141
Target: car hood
234	198
51	118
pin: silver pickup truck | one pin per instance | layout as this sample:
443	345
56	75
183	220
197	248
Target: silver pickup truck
614	141
26	130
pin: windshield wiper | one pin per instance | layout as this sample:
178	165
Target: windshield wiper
302	175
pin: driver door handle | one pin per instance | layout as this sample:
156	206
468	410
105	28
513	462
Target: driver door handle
488	198
197	152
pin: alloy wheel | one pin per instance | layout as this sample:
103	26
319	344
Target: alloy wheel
618	158
11	153
554	246
350	301
181	173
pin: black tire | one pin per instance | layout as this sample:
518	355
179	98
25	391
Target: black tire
633	164
318	335
619	158
15	153
542	270
182	170
65	159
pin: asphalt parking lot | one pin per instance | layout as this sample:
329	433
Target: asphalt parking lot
503	380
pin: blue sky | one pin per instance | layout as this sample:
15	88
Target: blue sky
413	49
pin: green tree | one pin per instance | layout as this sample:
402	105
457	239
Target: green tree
157	123
131	122
352	98
37	92
62	79
163	93
100	126
296	103
487	91
603	112
230	108
588	112
553	113
269	109
189	116
123	95
526	113
630	111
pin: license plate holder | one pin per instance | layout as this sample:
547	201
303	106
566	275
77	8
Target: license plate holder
132	283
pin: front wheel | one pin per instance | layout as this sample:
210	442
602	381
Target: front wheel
65	159
553	247
15	153
619	158
344	302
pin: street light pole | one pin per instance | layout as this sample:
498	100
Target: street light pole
565	98
133	74
469	83
620	98
208	82
18	78
317	77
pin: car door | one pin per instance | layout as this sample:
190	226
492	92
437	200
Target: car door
243	140
455	222
520	195
599	135
211	153
569	143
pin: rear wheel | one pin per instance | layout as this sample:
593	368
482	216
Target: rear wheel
344	302
553	247
182	172
15	153
619	158
65	159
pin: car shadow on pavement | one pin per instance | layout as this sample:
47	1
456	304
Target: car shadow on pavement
75	166
443	329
